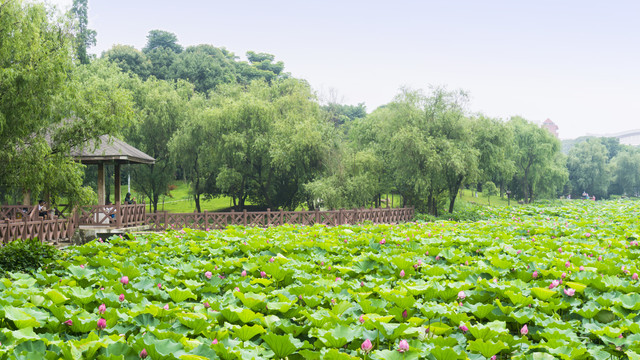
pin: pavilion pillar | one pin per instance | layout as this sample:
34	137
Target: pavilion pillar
116	180
26	197
101	192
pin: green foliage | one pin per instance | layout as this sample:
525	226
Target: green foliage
625	168
489	189
589	169
325	290
129	59
84	37
26	255
540	166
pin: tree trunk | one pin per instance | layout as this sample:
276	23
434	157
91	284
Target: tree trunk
525	185
453	192
196	199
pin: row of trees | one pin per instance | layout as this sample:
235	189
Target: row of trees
602	167
249	131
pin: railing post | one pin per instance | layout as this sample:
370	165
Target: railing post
41	232
118	216
206	220
281	217
24	228
317	216
268	222
164	219
340	217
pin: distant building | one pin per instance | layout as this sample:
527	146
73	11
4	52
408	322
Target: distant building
551	127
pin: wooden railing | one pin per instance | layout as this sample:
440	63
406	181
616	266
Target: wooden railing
18	212
116	215
44	230
213	220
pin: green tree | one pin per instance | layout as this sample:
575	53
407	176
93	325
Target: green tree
160	39
271	142
626	171
489	189
536	155
129	59
161	108
588	168
191	147
494	141
340	114
84	37
205	67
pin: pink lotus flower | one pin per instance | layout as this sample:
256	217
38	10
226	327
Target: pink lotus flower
272	259
383	241
159	286
263	274
243	273
215	341
166	307
554	284
518	252
143	354
124	280
419	262
102	309
401	273
81	266
560	249
426	253
206	305
208	274
69	322
600	258
463	327
366	346
102	324
321	263
338	279
494	357
581	268
524	330
587	234
466	263
361	319
569	292
567	264
564	275
634	276
535	274
121	297
437	257
403	346
361	283
462	295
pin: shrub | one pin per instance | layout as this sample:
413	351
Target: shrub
27	255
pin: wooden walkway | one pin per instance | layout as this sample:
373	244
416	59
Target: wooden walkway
108	219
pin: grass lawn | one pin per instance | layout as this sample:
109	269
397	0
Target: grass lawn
467	196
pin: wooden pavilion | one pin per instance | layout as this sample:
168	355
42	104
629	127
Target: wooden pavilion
109	150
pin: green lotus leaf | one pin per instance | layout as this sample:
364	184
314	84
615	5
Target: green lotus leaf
395	355
197	322
576	286
20	318
486	348
255	301
81	295
282	345
630	301
246	332
543	294
180	295
446	354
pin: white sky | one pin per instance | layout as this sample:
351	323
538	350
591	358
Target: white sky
575	62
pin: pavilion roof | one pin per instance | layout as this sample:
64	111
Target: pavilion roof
106	149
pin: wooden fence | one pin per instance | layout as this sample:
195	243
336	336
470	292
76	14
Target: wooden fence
213	220
44	230
123	216
116	215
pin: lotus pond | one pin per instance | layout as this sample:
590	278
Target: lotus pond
535	282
